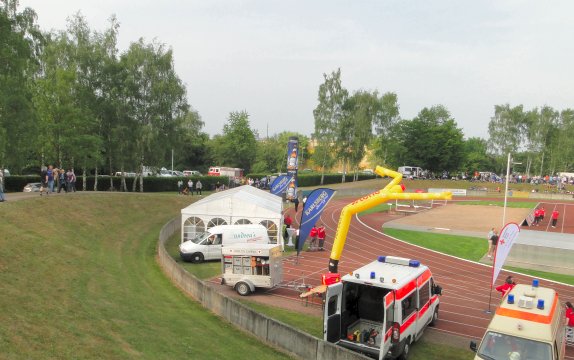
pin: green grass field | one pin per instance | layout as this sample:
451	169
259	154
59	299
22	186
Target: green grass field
466	247
470	248
510	204
78	279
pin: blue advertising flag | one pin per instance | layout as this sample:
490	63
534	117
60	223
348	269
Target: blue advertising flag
279	185
316	202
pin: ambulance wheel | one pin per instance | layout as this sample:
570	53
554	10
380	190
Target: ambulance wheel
434	317
197	258
406	349
242	288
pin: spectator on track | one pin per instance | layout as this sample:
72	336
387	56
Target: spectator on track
570	314
555	215
321	235
542	213
313	236
536	216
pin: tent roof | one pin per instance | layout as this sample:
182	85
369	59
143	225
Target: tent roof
246	195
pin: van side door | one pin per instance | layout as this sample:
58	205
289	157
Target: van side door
388	321
425	311
332	315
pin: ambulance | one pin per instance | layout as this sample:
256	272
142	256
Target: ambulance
529	324
381	308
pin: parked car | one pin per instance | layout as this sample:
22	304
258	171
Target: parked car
191	173
32	187
168	173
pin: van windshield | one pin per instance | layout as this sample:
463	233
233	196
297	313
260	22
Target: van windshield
199	237
496	346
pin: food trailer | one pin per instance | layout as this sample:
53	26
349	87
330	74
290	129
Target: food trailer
248	266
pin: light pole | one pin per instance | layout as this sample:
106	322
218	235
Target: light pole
506	189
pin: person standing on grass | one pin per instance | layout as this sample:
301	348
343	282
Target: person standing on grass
555	215
198	187
493	244
489	240
50	179
190	187
2	197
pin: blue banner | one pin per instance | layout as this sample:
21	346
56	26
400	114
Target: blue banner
292	166
316	202
279	185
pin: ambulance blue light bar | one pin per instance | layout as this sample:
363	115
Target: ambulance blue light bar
398	261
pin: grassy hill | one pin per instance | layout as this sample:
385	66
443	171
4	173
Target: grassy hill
78	279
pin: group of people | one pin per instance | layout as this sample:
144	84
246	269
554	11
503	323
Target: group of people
539	214
187	189
317	234
61	179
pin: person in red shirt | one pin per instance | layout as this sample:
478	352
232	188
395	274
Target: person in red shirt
536	217
313	234
321	235
287	220
542	213
555	214
506	287
570	313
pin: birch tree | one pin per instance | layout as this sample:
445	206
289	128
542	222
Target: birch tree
328	114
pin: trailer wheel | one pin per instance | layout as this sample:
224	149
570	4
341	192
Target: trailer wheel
242	288
434	317
197	258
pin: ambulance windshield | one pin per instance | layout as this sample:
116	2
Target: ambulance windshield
496	346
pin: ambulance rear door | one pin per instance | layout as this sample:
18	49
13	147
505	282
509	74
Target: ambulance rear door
388	320
332	316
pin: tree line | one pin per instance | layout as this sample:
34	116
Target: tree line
71	98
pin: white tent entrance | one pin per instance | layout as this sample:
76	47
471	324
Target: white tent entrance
241	205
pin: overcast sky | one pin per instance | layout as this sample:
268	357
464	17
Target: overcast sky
268	57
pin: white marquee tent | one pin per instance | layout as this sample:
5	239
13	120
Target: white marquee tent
241	205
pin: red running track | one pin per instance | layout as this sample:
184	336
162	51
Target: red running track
466	284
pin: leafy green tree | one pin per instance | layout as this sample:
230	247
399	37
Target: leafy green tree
476	157
20	43
355	128
237	146
328	114
386	118
155	99
505	131
431	140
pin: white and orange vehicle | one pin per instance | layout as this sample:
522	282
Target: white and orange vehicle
233	173
529	324
381	308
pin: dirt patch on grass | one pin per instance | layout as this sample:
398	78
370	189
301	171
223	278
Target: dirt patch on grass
472	218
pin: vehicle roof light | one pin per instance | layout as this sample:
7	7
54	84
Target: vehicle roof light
540	304
372	274
414	263
510	298
381	258
535	283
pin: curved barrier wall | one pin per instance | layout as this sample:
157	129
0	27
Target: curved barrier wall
271	331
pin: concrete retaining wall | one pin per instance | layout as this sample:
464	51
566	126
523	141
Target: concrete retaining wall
273	332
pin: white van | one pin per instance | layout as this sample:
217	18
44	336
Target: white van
207	245
411	171
528	324
382	308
